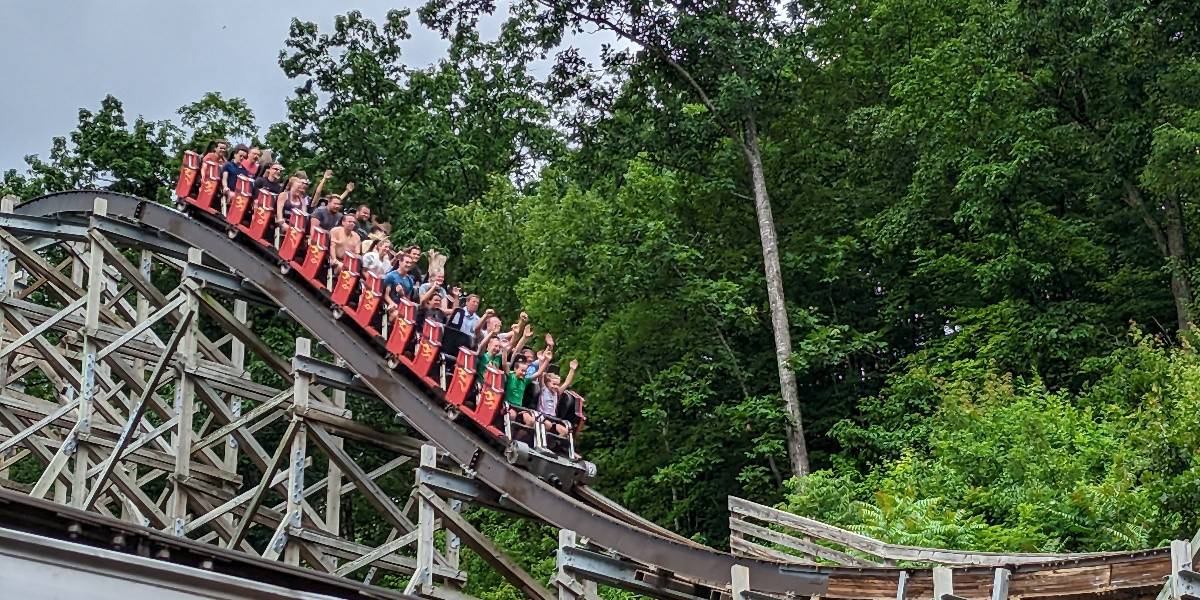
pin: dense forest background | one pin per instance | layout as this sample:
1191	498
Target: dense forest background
982	210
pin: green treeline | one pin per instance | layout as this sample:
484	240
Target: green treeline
982	210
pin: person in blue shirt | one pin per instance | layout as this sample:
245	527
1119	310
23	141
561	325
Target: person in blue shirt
398	284
232	169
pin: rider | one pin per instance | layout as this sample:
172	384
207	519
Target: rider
549	388
341	240
232	170
216	151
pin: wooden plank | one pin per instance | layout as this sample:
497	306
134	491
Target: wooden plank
388	548
344	549
749	548
805	546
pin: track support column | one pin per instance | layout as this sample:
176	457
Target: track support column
943	582
87	393
237	356
295	503
422	578
185	406
569	586
333	489
8	271
739	578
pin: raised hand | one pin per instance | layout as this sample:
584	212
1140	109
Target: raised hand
349	187
524	316
549	340
528	331
328	174
574	364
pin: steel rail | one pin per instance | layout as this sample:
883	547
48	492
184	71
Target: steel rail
704	565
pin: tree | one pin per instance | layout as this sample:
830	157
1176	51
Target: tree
106	151
726	56
214	116
415	141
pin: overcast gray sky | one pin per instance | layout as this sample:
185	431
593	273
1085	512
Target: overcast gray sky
155	56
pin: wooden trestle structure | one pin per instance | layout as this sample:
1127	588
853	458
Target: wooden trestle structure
135	387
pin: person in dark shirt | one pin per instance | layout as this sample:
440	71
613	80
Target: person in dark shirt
269	180
293	198
233	169
434	310
415	252
363	226
329	216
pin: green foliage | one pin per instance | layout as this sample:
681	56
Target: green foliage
1009	465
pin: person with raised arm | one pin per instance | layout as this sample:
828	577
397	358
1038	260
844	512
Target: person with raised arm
493	354
549	388
434	309
327	217
535	362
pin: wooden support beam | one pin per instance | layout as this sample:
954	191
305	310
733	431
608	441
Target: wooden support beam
386	549
20	435
139	411
486	549
1000	584
295	492
261	489
370	490
808	548
142	327
43	327
422	580
739	576
348	550
943	582
228	429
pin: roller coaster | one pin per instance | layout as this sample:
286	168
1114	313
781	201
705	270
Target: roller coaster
125	396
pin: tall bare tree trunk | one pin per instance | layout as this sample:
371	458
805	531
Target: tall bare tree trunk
1177	260
797	447
1170	237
